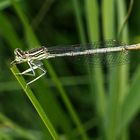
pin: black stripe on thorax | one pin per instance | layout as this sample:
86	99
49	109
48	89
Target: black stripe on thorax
36	52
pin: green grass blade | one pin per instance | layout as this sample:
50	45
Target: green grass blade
6	122
123	32
4	136
109	31
131	103
108	16
121	9
7	30
41	14
98	90
79	21
69	105
5	3
34	42
118	76
35	103
92	13
14	42
30	36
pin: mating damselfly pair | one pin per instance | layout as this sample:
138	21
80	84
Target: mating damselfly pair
105	52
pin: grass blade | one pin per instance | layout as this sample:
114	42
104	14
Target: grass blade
35	103
109	30
79	21
14	42
131	103
22	133
6	30
124	75
97	79
5	3
118	76
108	18
34	42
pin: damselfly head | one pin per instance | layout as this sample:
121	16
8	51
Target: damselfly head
18	52
19	56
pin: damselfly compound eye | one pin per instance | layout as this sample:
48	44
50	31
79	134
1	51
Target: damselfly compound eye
18	52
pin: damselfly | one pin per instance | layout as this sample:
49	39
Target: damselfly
34	56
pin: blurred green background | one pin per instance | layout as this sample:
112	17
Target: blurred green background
80	102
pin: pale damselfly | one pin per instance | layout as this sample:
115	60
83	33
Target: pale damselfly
34	56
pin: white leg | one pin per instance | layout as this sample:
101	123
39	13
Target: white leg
39	67
26	72
44	72
31	69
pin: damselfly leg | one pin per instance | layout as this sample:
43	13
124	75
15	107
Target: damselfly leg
33	65
37	66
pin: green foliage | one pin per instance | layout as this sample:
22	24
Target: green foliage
36	104
73	101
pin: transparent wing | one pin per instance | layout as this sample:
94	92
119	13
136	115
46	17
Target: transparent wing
109	59
81	47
